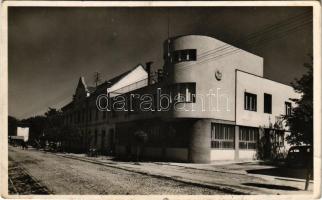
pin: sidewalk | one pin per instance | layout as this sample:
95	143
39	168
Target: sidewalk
232	178
245	168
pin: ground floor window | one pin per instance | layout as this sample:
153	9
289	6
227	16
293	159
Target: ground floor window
222	136
103	139
248	137
154	136
95	137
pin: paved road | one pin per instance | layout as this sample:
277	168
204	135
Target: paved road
68	176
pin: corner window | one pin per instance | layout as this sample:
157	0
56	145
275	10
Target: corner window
250	101
267	103
288	108
222	136
248	137
185	55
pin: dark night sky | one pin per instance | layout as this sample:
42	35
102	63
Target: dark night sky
50	48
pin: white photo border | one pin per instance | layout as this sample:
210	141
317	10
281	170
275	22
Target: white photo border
316	5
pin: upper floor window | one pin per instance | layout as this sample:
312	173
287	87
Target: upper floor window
250	101
267	103
288	108
70	118
75	117
83	115
185	55
78	116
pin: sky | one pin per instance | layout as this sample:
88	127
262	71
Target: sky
50	48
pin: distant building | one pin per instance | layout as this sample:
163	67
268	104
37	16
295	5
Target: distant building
23	132
210	102
21	137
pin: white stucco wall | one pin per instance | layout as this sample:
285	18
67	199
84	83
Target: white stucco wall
202	72
222	154
257	85
247	154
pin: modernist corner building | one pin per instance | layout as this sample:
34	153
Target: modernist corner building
210	102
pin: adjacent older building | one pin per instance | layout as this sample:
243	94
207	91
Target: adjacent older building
210	102
93	127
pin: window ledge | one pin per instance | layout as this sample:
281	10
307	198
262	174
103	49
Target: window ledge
251	110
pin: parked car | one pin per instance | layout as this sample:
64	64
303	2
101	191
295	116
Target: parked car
52	147
300	157
92	152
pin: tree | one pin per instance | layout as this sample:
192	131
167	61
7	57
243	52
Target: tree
12	125
48	127
36	126
300	121
58	132
54	125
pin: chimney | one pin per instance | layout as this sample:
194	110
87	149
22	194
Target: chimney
148	70
160	75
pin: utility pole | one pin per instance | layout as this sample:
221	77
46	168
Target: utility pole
97	78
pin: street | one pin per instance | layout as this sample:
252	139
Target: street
70	174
